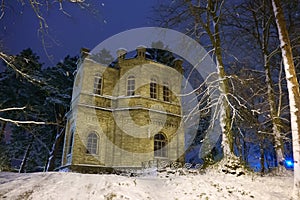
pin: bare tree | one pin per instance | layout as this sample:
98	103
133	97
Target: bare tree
254	21
253	122
205	17
39	7
293	89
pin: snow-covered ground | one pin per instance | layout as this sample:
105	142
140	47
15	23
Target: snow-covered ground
210	185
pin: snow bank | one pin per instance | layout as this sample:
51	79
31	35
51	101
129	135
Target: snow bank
211	185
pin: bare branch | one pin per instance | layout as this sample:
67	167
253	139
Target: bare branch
17	122
9	61
10	109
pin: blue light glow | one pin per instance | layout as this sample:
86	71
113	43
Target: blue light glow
289	163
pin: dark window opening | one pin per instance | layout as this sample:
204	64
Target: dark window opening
71	142
166	92
98	84
130	86
160	142
92	143
153	89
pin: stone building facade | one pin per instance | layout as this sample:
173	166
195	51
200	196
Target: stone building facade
125	115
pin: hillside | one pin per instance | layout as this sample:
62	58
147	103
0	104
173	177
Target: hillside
211	185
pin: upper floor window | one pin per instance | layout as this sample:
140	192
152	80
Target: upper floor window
92	143
160	143
153	88
98	84
166	92
130	85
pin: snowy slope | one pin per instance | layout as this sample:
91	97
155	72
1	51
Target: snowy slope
211	185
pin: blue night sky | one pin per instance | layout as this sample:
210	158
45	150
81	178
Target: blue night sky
19	26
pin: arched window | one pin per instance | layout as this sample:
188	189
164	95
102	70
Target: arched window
166	92
153	88
98	84
160	143
92	143
130	85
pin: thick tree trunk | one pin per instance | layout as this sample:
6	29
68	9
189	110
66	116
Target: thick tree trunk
274	114
226	121
293	90
211	26
227	136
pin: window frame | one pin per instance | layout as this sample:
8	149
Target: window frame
98	85
166	92
153	89
130	89
160	145
92	142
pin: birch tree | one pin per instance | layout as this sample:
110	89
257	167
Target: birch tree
293	90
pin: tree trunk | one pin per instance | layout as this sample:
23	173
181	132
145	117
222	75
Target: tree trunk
50	165
293	90
59	116
262	158
274	117
245	151
211	26
25	157
226	121
2	136
274	114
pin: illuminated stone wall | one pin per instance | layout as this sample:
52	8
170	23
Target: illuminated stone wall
125	125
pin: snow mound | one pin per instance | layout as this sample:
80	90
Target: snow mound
164	185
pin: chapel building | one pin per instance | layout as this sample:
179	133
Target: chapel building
124	116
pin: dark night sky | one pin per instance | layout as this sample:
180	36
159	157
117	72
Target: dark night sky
19	27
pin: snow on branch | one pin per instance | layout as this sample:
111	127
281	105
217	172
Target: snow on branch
10	109
17	122
204	83
8	60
